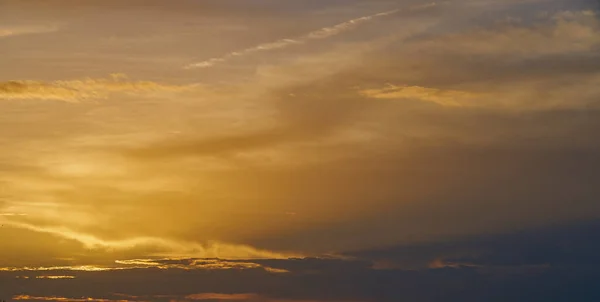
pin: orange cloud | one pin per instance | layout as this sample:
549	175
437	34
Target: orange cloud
200	264
227	297
25	30
64	299
450	98
75	90
55	277
180	248
242	297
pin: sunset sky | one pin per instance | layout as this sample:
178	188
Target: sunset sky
299	150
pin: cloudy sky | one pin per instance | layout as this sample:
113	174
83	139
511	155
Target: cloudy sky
299	151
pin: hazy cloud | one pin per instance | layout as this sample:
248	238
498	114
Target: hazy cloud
9	31
76	90
563	32
451	98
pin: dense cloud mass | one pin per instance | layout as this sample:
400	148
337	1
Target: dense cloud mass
300	151
548	264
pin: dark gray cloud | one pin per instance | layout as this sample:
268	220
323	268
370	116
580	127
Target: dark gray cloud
545	264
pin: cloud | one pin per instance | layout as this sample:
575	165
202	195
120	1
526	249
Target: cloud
248	297
225	297
76	90
88	268
527	265
269	265
576	92
55	277
65	299
547	63
562	32
165	246
223	146
188	298
450	98
26	30
349	154
319	34
283	43
201	264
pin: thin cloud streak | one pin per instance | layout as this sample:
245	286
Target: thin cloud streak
76	90
65	299
222	297
319	34
26	30
192	264
449	98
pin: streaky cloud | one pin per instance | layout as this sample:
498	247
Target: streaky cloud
319	34
449	98
76	90
12	31
170	247
65	299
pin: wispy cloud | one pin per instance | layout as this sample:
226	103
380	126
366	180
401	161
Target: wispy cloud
79	268
249	297
188	264
319	34
198	264
12	214
54	277
170	247
65	299
222	297
561	33
75	90
450	98
10	31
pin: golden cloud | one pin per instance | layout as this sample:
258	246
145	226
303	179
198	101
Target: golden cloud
524	94
24	30
170	247
189	264
75	90
64	299
250	297
219	297
55	277
198	264
450	98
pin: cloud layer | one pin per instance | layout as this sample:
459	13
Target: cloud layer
380	146
523	266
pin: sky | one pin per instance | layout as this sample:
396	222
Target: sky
299	151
